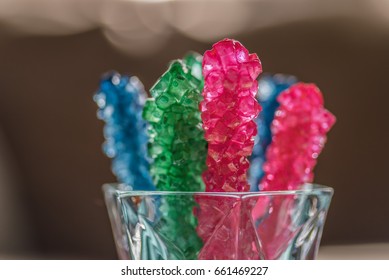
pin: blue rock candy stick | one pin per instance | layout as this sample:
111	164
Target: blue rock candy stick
120	100
269	87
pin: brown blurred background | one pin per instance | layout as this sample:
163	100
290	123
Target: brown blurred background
51	164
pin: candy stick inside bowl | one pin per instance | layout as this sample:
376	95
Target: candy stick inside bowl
299	132
227	112
120	100
178	149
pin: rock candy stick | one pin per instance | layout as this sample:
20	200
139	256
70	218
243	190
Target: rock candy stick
228	110
120	100
269	87
178	148
177	143
299	132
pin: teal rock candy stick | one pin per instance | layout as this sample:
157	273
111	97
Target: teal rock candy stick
120	100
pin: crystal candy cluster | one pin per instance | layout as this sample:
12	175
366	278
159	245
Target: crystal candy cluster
120	100
177	147
177	143
203	141
227	111
269	87
299	132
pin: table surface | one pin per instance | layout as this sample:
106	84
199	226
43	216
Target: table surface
375	251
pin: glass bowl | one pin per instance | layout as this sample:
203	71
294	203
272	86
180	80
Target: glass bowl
269	225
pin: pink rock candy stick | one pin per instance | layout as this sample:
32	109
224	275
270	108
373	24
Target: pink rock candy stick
228	110
299	132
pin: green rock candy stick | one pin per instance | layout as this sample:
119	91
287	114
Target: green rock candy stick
178	148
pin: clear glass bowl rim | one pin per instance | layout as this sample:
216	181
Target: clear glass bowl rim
308	189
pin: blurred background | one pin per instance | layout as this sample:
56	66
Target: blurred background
53	52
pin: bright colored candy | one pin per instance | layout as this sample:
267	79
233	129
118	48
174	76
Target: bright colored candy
226	228
177	142
269	87
120	100
299	132
178	147
228	110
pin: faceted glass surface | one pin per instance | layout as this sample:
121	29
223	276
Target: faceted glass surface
244	225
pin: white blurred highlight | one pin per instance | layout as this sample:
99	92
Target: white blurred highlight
206	20
143	26
135	26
